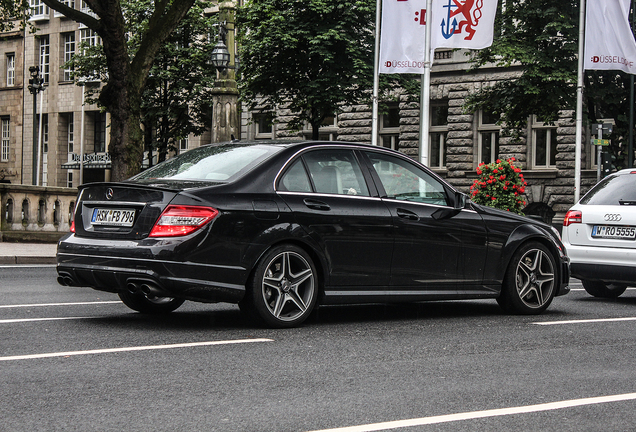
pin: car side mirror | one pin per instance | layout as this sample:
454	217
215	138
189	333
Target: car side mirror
460	200
446	213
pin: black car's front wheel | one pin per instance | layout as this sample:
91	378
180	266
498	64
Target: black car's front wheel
149	305
531	280
283	289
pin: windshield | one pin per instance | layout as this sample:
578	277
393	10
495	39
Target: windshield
617	189
214	163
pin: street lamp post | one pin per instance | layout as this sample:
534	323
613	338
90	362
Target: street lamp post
36	85
225	119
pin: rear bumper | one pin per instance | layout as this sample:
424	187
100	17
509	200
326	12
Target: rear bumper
606	273
612	265
113	267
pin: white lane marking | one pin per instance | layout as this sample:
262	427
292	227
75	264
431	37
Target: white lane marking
59	304
482	414
28	265
21	320
128	349
585	321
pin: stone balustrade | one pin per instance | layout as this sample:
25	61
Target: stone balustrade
36	213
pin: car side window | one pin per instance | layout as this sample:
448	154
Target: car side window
295	179
335	171
404	180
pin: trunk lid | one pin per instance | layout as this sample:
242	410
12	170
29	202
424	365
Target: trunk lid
604	226
120	211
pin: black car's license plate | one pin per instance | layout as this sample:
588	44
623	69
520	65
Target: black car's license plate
614	232
113	217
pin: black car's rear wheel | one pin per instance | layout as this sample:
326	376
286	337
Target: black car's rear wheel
150	305
283	289
530	282
602	289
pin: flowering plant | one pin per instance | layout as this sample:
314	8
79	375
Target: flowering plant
500	185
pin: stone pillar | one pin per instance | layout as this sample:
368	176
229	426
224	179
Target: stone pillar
225	118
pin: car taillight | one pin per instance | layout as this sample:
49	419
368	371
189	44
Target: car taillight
571	217
73	225
178	220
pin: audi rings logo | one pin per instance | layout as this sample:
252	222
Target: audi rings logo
612	217
109	194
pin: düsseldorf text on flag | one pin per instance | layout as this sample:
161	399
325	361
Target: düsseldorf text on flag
463	23
403	36
609	42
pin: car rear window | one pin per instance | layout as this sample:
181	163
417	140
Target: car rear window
615	189
214	163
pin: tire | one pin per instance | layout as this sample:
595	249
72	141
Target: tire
531	280
283	288
603	290
154	305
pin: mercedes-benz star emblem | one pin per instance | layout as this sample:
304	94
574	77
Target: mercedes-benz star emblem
612	217
109	194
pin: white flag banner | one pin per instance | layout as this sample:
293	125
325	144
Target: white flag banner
463	23
403	36
609	42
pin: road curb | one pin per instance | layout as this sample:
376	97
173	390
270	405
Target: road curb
10	260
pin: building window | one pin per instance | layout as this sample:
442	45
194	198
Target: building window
100	132
488	138
70	132
45	58
39	11
183	145
263	125
90	37
69	50
69	179
69	3
4	154
11	69
437	135
328	130
544	143
390	127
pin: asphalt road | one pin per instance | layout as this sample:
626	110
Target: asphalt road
75	359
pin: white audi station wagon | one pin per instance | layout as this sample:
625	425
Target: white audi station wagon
599	233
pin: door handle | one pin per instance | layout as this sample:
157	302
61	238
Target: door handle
316	205
407	214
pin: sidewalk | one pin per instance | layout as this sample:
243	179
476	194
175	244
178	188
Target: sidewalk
27	253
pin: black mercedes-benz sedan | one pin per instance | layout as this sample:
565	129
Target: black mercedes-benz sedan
279	227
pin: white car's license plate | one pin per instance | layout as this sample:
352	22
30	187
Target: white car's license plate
113	217
614	232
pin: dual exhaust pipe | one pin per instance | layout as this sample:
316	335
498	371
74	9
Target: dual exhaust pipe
145	288
66	281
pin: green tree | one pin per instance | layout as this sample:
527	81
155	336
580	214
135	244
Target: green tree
312	56
540	38
127	71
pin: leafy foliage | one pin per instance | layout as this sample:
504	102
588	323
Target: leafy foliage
312	55
539	37
500	185
13	13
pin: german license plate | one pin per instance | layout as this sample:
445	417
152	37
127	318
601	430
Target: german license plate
614	232
113	217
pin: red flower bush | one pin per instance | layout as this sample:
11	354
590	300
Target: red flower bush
500	185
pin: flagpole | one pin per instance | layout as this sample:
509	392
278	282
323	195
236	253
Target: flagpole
579	107
425	92
376	76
